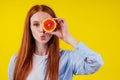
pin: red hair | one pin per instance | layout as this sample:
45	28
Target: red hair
24	60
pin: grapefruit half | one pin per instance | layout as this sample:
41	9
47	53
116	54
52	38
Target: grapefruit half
49	25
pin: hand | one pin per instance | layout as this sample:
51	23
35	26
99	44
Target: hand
61	30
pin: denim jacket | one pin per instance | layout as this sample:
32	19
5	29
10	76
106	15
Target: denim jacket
71	63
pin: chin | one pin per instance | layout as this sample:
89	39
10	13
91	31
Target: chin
43	42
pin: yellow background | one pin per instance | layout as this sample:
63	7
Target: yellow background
94	22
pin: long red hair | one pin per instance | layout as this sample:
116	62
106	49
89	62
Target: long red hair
24	59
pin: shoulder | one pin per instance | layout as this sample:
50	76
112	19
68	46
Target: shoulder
65	52
12	62
11	67
65	55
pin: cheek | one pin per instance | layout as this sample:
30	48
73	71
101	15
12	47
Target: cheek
34	32
49	36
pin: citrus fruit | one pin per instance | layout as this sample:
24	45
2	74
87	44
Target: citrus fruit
49	25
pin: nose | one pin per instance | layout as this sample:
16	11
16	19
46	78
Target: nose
41	30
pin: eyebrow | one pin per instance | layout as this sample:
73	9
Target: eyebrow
35	21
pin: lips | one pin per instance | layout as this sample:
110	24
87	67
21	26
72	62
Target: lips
42	37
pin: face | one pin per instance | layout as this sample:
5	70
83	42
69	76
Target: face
36	28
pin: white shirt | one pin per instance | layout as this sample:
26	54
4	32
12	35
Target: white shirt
38	65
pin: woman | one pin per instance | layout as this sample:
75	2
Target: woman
40	58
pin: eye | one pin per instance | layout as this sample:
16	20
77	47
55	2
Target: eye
36	24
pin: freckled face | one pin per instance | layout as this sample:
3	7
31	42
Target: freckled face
36	28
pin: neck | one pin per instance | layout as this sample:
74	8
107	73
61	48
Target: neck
41	49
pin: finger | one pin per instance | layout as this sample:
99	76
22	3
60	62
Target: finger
59	20
56	18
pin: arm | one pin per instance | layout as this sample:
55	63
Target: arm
83	60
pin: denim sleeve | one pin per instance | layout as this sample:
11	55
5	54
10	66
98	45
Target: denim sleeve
11	67
78	59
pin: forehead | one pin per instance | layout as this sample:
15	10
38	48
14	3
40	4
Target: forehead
39	16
